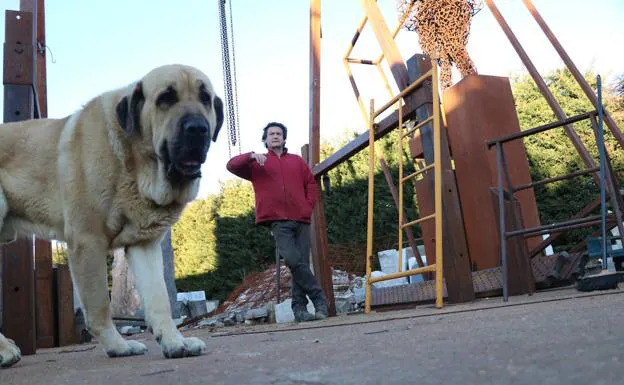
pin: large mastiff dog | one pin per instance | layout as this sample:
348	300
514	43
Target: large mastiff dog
116	174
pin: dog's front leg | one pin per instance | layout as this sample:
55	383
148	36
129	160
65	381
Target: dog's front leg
87	262
146	263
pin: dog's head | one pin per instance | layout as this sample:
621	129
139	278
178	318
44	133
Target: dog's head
173	114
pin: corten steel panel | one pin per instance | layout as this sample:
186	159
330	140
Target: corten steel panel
480	108
65	306
18	294
45	298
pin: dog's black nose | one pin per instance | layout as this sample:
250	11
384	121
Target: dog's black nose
195	125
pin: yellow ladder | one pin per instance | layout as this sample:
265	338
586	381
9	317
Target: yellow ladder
436	166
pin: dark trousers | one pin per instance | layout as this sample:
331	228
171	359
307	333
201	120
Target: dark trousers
293	242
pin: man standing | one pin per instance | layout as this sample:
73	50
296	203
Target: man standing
285	192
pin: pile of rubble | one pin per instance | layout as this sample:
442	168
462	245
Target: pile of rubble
255	300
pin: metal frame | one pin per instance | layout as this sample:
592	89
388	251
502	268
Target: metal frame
377	63
437	166
577	222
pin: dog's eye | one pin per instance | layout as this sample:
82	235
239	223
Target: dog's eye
204	97
168	98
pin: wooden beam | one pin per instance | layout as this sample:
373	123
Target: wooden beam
43	249
319	244
382	128
19	104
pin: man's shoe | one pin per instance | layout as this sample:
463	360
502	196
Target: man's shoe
303	316
321	310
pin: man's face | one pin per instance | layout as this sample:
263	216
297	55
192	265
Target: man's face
275	137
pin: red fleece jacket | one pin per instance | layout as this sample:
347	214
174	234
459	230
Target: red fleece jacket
285	188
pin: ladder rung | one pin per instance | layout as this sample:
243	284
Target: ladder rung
417	221
418	126
412	175
402	274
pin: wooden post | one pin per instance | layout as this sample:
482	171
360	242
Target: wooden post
319	245
19	104
44	299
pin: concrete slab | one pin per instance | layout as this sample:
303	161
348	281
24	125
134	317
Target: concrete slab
548	338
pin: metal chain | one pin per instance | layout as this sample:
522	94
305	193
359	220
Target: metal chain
225	59
235	82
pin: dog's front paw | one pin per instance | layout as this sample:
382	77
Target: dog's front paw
9	352
127	348
183	347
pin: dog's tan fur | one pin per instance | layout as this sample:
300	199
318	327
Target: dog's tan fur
99	182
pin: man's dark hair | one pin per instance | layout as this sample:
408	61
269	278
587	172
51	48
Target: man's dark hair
273	124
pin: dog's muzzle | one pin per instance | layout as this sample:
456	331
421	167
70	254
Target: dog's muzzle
187	152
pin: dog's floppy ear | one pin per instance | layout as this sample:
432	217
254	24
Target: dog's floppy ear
218	107
129	111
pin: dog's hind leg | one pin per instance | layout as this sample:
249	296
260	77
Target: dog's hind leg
146	262
87	261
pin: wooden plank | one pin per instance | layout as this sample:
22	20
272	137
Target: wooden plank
45	299
65	306
481	108
18	317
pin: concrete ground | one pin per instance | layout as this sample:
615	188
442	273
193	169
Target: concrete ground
553	337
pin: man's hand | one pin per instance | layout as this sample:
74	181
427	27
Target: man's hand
260	158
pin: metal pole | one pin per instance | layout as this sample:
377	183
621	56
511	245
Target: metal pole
601	151
371	189
278	271
400	246
437	172
501	218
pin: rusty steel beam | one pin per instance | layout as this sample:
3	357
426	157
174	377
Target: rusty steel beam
386	42
589	92
319	243
541	84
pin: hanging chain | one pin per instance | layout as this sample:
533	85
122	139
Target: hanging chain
235	82
225	59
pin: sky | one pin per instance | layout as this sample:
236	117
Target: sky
98	45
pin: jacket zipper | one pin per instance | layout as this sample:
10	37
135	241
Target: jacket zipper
279	158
